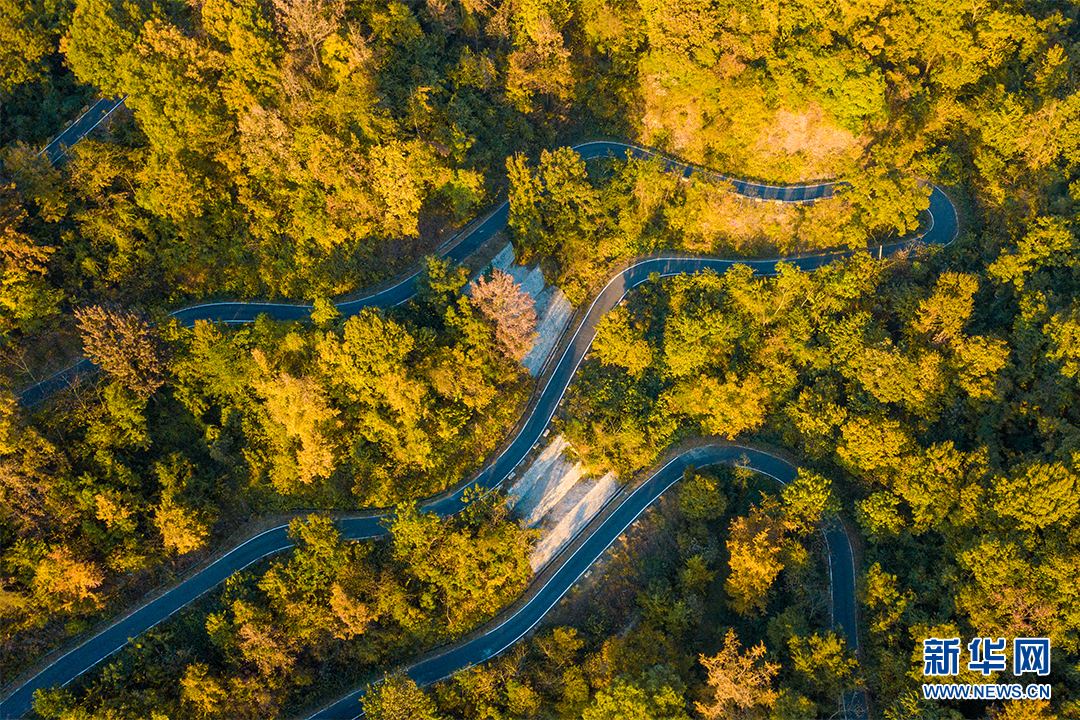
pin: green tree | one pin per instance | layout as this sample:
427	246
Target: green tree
366	369
251	64
723	407
1048	243
28	42
657	696
700	496
878	514
823	665
184	526
99	42
468	571
621	343
808	500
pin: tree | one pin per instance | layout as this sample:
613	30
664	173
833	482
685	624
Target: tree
324	312
888	201
203	692
808	500
700	496
101	36
874	446
619	342
26	298
540	61
125	345
27	43
824	664
320	591
66	583
942	316
724	407
398	697
1039	495
560	647
1048	243
305	427
979	360
29	468
754	545
468	568
182	528
792	706
367	374
878	514
659	697
252	74
306	23
525	213
509	307
740	683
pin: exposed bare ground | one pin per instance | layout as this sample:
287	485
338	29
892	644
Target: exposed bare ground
805	145
554	495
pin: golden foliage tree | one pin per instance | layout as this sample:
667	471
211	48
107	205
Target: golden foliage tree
398	698
754	544
125	345
66	582
740	683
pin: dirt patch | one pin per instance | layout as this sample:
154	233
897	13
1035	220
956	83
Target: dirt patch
554	496
805	145
545	482
570	515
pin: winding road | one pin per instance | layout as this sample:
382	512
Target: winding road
80	659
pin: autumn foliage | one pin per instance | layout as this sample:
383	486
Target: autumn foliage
125	345
502	301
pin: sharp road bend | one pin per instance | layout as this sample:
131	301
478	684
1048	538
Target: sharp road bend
525	614
78	660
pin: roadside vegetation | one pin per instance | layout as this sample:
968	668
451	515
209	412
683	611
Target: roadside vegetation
130	476
325	617
670	624
308	148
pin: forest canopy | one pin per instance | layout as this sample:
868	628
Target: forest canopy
308	149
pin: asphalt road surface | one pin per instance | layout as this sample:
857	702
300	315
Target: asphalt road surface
77	130
942	231
107	642
526	614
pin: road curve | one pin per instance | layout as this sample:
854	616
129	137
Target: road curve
459	248
526	614
107	642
